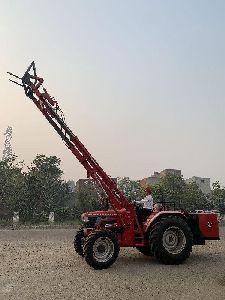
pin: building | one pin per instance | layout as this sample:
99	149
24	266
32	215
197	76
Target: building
157	177
202	183
71	185
81	184
169	172
152	180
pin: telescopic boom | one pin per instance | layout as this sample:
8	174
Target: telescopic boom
33	87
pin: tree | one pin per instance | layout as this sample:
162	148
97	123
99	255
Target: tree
173	188
88	198
194	198
131	188
46	191
217	197
12	186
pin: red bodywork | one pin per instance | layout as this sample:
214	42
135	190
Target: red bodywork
208	225
123	216
204	226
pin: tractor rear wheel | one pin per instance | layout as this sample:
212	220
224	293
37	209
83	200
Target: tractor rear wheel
146	250
101	249
78	241
171	240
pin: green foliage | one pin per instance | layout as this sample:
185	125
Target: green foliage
12	186
40	190
217	197
64	214
173	188
131	188
46	191
33	193
194	198
88	198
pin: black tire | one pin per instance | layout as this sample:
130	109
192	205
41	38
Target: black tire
146	250
101	249
171	240
78	242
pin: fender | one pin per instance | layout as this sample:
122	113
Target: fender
155	216
208	226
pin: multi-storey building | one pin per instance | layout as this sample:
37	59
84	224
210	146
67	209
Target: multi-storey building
202	183
157	177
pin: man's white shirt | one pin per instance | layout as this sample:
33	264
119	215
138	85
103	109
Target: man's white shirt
147	202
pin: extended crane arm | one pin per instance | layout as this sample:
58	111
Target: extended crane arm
33	87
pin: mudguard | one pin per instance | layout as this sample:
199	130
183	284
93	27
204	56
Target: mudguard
205	226
208	226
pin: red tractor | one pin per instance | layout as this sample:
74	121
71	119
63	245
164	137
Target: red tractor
166	234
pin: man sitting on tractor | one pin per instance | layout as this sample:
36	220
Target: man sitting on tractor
145	205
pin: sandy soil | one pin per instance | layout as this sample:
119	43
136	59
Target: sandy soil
41	264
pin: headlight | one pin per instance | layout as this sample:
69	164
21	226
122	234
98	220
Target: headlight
84	219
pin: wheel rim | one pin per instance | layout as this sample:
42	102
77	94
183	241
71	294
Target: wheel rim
174	240
103	249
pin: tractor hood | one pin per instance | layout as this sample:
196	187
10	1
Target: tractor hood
89	219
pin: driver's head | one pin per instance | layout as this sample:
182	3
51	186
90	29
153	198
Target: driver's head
148	191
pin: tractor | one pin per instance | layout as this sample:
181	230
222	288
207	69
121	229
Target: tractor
166	234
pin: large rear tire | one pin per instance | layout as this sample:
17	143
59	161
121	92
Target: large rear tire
101	249
78	242
171	240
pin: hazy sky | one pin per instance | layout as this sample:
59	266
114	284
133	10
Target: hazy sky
142	83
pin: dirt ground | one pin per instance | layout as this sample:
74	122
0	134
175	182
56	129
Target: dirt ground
41	264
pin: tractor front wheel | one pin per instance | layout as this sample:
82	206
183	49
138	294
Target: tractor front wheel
101	249
78	241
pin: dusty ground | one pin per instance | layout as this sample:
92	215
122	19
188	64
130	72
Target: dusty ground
41	264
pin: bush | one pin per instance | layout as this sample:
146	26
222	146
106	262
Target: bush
64	214
41	217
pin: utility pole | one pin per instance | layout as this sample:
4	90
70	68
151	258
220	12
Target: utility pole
7	151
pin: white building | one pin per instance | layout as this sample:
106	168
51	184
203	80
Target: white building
202	183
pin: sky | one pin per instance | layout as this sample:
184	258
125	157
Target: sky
141	83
